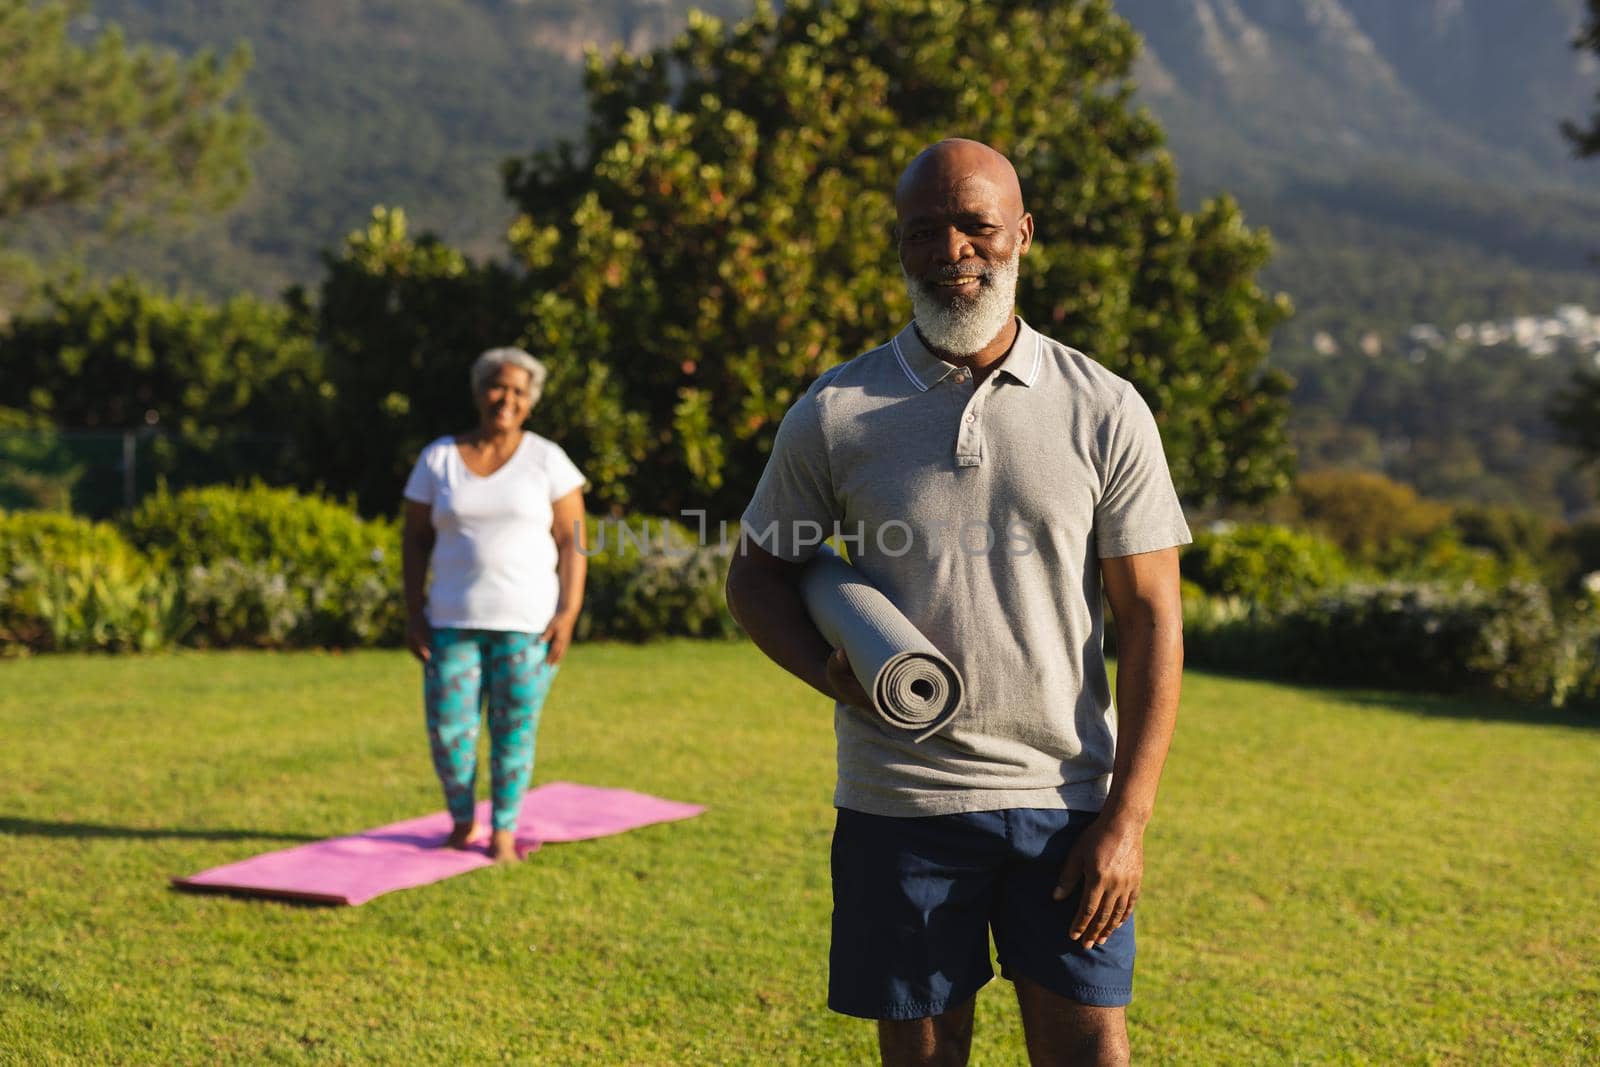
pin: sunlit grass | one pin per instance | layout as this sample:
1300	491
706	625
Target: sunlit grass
1333	877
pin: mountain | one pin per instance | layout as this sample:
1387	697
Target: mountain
402	102
1472	88
1404	153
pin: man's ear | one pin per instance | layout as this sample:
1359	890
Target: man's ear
1025	228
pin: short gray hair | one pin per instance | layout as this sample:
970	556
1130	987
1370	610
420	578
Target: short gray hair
484	366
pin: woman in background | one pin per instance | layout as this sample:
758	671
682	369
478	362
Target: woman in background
497	515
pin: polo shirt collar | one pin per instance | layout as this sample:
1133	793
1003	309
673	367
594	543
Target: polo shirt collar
926	370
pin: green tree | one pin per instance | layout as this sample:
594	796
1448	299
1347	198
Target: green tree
37	470
721	235
1586	140
1577	414
124	132
1371	518
399	320
1577	411
223	385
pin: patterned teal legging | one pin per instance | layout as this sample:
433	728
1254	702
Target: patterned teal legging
510	668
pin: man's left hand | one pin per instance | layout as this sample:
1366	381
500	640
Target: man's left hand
1108	860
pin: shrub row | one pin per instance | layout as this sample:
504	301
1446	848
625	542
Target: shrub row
272	568
68	585
1427	636
1267	599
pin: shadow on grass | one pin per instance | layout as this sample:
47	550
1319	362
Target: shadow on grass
43	828
1473	709
1467	707
289	900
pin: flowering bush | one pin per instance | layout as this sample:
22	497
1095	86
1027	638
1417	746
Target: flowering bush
653	578
67	584
270	568
275	568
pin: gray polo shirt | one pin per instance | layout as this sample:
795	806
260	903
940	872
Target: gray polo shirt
981	511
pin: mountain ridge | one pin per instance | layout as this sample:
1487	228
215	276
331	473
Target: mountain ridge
1345	126
1382	75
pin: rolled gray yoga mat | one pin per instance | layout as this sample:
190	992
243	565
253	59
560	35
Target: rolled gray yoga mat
912	686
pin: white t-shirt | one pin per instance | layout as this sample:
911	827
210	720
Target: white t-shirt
494	559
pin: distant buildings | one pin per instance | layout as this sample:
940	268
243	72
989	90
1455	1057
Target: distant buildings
1569	326
1538	335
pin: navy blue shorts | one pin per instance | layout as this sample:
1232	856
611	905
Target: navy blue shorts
914	901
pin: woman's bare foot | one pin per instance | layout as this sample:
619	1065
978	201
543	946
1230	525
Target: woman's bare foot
503	846
460	834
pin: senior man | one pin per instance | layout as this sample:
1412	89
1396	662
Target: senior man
992	483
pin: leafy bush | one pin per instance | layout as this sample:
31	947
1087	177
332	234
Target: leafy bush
651	578
1371	518
1581	658
1517	647
36	469
272	567
242	604
1511	533
1265	565
1409	636
1579	547
269	568
1443	559
259	524
67	584
120	353
676	596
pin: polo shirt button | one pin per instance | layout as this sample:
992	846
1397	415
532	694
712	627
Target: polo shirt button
972	418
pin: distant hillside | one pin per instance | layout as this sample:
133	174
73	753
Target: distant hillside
1472	88
409	102
1377	137
1406	157
1404	154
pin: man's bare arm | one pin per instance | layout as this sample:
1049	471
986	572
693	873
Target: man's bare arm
1143	591
764	597
1109	859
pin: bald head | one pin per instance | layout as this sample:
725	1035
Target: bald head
962	231
946	166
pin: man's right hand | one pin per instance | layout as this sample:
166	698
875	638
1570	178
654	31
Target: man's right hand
417	632
764	597
842	679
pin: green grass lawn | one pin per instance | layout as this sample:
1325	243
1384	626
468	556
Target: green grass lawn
1333	877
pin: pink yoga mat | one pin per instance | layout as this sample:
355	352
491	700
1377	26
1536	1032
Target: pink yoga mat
354	869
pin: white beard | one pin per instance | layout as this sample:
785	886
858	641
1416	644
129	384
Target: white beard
966	326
